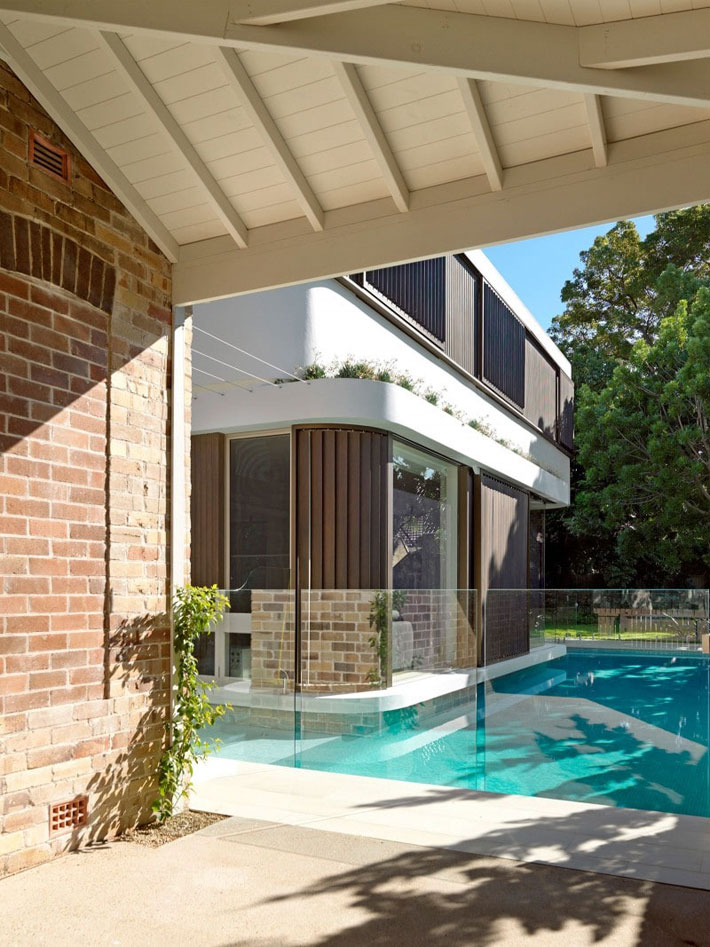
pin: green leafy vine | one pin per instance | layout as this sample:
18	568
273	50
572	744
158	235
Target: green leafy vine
195	611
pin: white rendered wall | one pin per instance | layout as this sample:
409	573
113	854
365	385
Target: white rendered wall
325	322
374	404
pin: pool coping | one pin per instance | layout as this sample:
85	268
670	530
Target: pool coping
406	692
633	843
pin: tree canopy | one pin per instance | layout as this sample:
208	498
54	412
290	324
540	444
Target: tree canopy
636	327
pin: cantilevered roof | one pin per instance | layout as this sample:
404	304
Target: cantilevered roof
262	142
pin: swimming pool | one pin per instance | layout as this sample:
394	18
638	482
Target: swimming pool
621	729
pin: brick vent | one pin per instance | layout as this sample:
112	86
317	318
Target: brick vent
50	158
64	816
29	247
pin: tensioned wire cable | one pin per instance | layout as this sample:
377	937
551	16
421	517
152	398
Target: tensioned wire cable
257	358
242	371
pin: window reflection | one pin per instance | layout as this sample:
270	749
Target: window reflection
423	520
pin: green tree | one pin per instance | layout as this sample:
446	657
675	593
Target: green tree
617	301
644	447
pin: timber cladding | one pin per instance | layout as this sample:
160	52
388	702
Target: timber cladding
462	304
342	509
566	411
503	348
207	509
417	290
540	389
503	515
463	317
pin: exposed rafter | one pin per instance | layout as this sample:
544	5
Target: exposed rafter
648	40
221	204
480	47
482	132
361	105
265	12
597	131
45	93
260	116
650	173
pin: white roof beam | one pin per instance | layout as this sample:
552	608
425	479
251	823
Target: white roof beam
647	174
260	116
482	132
265	12
219	201
648	40
361	105
597	130
480	47
53	102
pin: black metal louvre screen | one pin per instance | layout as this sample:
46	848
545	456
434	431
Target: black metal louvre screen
503	348
418	290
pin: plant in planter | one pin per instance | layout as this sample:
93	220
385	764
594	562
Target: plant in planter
195	611
381	608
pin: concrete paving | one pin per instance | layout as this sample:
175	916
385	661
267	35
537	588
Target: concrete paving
246	883
634	843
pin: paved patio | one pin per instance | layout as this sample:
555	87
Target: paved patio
241	882
633	843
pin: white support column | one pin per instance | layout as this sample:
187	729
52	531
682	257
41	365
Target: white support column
178	499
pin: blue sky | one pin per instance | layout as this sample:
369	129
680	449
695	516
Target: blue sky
537	269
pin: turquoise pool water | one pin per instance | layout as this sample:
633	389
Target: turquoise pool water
621	729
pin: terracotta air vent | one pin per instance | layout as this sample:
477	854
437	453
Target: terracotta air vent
48	157
65	816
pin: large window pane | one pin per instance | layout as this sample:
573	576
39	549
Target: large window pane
259	516
424	520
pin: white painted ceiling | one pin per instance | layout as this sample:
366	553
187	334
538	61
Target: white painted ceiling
286	153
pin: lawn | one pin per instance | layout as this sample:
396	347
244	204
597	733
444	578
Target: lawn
591	630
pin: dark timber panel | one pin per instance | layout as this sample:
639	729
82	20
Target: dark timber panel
503	348
342	515
504	565
418	290
207	509
566	411
540	389
462	290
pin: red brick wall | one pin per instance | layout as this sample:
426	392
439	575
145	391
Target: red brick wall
84	448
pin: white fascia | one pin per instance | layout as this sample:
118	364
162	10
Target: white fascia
383	406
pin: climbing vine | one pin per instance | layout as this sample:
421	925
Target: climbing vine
195	611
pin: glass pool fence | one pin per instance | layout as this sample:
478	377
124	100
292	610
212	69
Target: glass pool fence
626	618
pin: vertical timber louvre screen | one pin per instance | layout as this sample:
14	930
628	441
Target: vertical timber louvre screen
566	411
503	348
504	554
417	290
540	389
342	517
207	509
462	294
